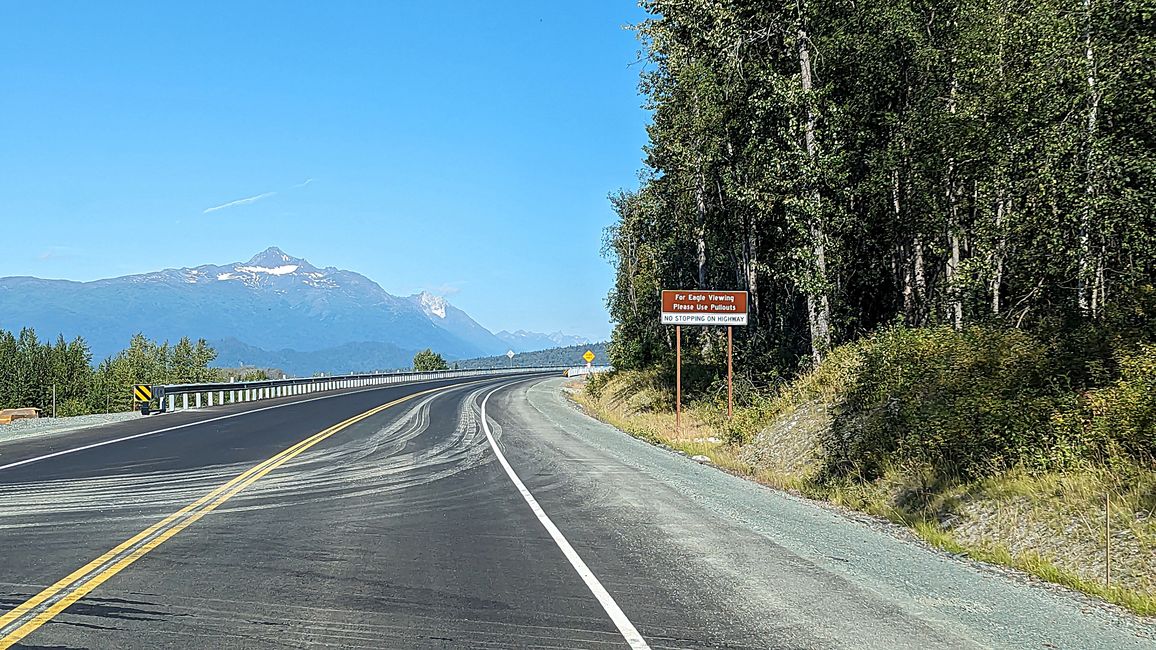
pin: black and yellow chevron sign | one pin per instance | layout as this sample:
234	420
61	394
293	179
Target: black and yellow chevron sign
142	393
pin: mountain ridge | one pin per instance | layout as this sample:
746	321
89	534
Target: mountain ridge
271	302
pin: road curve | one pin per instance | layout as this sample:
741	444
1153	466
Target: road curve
398	518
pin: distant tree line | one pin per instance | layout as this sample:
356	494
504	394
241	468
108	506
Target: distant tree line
30	368
564	356
854	165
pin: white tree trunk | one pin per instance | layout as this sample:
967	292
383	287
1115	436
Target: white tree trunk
997	254
1087	266
700	199
954	296
818	305
920	274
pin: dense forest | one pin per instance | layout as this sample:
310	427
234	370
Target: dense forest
570	355
31	369
947	163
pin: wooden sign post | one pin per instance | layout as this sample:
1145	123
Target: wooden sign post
678	377
694	307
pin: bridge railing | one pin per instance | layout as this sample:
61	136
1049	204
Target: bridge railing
579	371
184	396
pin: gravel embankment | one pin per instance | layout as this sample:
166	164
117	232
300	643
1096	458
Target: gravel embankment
51	426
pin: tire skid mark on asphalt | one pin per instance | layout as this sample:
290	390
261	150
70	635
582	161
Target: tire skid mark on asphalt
44	606
375	464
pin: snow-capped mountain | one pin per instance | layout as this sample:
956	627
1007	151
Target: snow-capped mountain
523	341
272	301
457	322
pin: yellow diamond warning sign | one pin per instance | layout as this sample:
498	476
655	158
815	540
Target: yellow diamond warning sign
589	356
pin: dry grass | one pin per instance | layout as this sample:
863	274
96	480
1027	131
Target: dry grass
1048	525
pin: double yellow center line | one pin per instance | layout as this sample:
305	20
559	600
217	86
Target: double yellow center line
41	608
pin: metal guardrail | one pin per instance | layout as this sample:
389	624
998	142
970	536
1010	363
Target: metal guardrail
581	371
216	394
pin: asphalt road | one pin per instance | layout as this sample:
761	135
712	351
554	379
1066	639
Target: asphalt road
396	518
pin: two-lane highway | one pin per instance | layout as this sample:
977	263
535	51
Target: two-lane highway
402	517
377	519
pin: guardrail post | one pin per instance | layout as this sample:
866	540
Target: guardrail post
210	394
172	402
184	401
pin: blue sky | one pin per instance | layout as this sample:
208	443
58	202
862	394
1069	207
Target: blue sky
464	148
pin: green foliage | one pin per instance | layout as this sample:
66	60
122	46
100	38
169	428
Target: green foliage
953	163
427	360
255	374
1124	413
974	403
30	369
597	382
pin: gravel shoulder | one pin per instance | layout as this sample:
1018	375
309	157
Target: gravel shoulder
53	426
856	581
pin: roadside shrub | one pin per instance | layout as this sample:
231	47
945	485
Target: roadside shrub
596	383
1125	413
72	406
967	403
818	387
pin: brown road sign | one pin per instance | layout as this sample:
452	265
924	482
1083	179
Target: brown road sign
589	356
694	307
142	393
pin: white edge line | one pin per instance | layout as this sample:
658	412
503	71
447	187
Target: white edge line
629	632
63	452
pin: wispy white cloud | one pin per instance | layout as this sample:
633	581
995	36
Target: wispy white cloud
303	183
244	201
57	253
